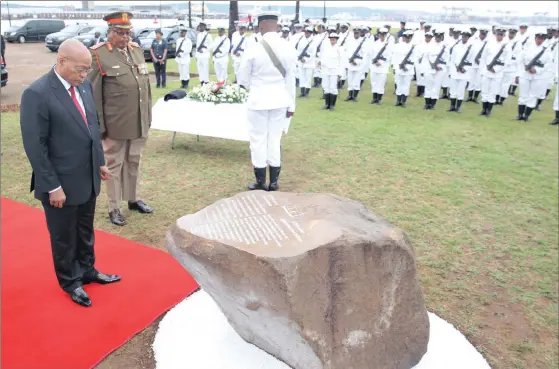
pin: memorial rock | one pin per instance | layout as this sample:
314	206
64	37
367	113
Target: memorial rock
316	280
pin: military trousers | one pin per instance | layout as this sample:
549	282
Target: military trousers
403	82
221	65
354	80
508	79
458	88
475	81
378	81
122	157
490	88
305	77
265	130
184	70
556	101
529	91
330	82
203	64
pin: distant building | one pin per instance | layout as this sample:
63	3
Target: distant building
88	5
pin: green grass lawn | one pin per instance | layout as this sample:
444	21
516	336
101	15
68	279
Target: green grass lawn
478	197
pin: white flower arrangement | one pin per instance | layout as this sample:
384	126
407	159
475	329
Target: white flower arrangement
219	93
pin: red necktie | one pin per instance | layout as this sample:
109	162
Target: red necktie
75	100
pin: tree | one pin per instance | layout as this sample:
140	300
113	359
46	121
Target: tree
189	15
233	16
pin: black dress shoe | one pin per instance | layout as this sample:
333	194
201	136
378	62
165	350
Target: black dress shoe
80	297
101	278
140	206
117	218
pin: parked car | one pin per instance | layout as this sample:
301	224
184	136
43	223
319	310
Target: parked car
143	32
4	80
171	35
88	38
53	40
33	30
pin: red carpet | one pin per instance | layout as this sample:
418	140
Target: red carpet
43	329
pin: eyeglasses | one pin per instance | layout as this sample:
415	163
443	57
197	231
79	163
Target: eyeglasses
83	70
122	33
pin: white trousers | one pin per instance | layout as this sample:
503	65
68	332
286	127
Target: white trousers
446	80
529	91
475	82
354	80
378	81
419	80
490	88
203	65
403	82
508	79
330	84
236	65
433	84
265	132
305	77
344	74
220	66
317	72
457	88
184	71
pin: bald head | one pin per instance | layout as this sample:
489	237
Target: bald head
73	62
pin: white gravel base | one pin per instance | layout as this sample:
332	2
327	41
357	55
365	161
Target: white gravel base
196	334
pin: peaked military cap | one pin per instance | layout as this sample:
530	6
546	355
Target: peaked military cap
428	34
333	35
267	16
383	30
119	19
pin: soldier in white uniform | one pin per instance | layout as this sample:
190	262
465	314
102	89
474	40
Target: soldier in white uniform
474	86
269	75
345	36
306	61
220	53
182	57
355	56
285	33
332	63
203	42
551	45
320	39
238	47
532	64
403	60
296	39
509	72
435	61
369	39
461	62
381	56
556	78
493	62
419	81
451	43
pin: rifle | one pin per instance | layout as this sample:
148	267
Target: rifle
406	60
379	55
495	60
320	44
304	52
345	38
299	40
238	48
463	61
438	60
179	52
355	56
202	46
478	56
217	49
452	48
535	62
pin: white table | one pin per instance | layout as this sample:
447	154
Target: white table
227	121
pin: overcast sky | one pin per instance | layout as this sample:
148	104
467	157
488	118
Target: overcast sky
525	7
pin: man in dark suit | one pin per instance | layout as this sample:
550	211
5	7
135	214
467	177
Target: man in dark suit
62	141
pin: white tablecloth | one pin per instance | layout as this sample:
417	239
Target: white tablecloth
203	119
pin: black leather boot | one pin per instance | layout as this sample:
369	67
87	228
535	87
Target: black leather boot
404	98
379	98
355	93
427	105
458	106
274	178
547	92
260	184
326	105
483	108
476	96
302	92
315	84
452	105
498	100
349	96
502	100
445	93
527	113
513	90
186	83
433	103
555	121
374	100
361	83
489	108
521	110
418	94
296	82
538	104
398	100
333	99
470	96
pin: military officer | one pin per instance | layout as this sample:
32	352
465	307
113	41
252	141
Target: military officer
238	47
271	99
451	43
220	53
381	56
320	39
461	63
435	68
474	85
510	69
420	49
296	39
531	78
355	54
182	57
306	53
493	62
332	63
342	43
203	42
403	60
122	94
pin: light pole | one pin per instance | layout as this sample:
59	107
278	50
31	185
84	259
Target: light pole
9	18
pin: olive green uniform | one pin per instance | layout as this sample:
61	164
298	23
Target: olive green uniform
122	93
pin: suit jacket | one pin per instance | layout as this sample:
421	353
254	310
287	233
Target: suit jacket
60	147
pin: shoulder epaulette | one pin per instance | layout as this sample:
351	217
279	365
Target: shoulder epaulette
133	44
95	47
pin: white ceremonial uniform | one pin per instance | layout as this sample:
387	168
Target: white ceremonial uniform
524	39
306	56
556	66
420	48
511	67
435	63
478	49
270	97
342	43
369	40
451	44
390	39
295	41
183	57
403	76
220	54
321	39
531	85
459	79
332	62
550	72
355	69
238	48
418	37
381	50
491	82
203	42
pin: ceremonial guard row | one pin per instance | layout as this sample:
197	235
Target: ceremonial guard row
487	65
